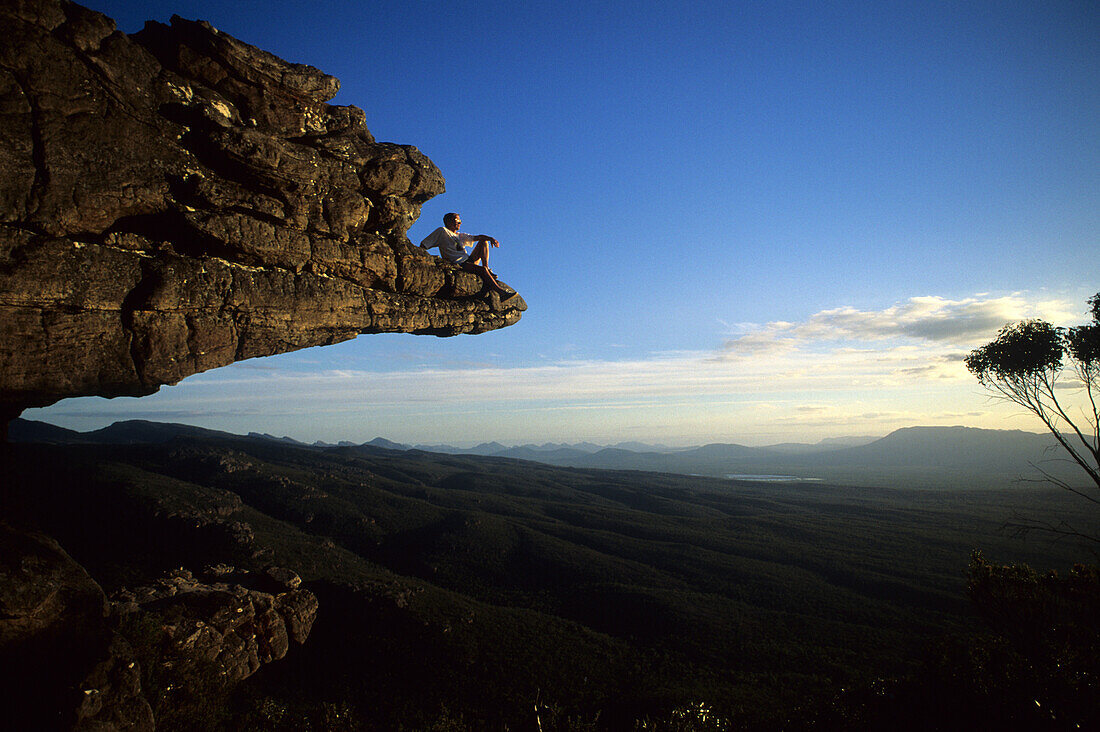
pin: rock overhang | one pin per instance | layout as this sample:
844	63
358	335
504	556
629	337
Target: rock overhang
177	200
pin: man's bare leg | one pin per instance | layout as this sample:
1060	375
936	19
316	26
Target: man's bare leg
485	274
478	263
480	255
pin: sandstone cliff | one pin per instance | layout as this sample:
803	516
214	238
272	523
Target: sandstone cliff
177	200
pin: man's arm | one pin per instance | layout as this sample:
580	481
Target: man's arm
467	240
431	240
486	238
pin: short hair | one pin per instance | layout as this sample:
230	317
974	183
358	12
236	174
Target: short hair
449	218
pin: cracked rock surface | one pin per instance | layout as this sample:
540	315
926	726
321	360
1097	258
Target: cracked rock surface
223	619
176	200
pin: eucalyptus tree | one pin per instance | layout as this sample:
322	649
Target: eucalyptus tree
1037	365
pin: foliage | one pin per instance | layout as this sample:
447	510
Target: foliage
693	717
551	717
1024	352
1045	630
1051	619
1023	364
268	714
1033	663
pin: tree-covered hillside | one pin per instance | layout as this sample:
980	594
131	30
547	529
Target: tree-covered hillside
476	590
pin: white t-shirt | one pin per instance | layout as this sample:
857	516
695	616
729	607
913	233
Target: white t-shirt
452	244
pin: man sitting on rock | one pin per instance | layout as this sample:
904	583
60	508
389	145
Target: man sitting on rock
452	247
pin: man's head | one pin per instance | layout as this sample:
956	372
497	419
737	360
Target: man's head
452	221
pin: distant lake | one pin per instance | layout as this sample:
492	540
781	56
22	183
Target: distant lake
772	478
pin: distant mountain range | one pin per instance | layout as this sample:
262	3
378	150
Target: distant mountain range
934	457
549	452
495	448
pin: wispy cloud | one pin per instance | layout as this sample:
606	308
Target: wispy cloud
931	319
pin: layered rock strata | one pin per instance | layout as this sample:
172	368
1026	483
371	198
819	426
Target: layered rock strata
177	200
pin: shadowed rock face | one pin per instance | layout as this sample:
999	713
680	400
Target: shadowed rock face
177	200
66	665
63	665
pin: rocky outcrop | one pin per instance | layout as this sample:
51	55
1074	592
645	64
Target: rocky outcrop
69	657
177	200
225	623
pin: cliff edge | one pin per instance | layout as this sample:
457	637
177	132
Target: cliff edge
176	200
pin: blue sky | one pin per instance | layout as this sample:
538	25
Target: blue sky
747	222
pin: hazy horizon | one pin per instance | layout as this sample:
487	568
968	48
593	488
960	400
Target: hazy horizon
93	424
